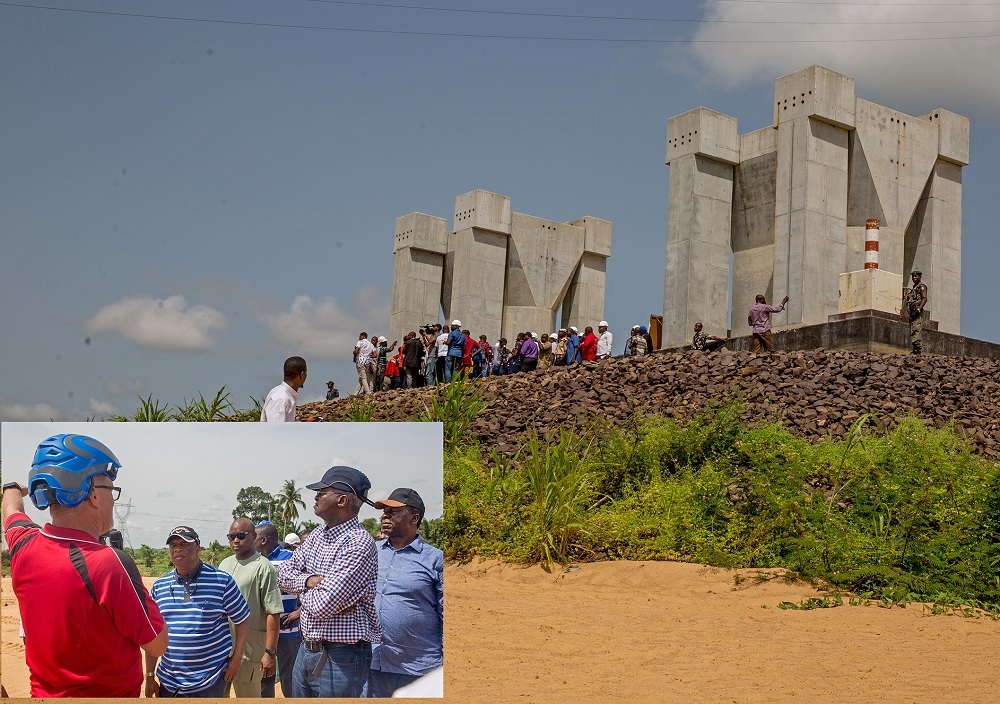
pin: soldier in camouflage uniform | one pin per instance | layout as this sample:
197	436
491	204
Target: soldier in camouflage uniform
916	299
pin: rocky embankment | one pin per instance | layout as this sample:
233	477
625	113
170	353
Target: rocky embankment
815	394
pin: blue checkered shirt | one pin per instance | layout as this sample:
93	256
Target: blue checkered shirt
341	608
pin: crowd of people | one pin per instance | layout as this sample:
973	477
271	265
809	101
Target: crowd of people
337	614
436	354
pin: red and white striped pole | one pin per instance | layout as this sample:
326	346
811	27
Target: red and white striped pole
871	243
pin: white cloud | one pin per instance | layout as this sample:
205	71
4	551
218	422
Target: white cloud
123	388
29	412
323	329
102	409
955	74
159	323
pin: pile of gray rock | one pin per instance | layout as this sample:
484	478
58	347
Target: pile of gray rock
815	394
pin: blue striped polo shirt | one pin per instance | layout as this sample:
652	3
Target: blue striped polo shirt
200	642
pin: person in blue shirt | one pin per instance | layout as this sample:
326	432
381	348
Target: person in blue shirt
573	347
268	545
456	350
197	602
409	599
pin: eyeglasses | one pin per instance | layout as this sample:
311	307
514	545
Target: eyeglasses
116	491
239	536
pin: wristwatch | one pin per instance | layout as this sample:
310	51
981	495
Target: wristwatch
11	485
271	651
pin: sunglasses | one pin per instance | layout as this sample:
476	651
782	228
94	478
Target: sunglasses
239	536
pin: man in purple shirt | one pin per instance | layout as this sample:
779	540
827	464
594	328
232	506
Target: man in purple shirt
759	318
529	353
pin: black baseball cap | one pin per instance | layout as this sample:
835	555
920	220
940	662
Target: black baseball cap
186	533
402	497
344	479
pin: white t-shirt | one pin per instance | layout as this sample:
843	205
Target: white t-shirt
604	344
442	344
279	406
365	349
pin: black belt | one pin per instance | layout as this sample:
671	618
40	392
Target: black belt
318	646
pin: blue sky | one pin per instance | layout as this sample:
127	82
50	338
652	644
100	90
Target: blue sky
190	473
185	204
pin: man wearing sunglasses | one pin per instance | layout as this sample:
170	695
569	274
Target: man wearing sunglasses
258	582
84	609
334	572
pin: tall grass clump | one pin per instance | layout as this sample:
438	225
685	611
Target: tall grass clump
455	405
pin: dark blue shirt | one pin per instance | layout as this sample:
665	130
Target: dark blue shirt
410	606
289	602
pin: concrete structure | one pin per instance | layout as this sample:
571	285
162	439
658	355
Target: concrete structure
498	271
790	203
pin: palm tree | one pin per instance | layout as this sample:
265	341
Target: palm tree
287	502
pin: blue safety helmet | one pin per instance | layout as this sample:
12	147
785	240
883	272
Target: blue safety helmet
63	466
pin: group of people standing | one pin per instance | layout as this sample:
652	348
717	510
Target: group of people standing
340	616
437	354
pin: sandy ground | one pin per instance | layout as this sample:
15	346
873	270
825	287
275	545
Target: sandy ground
656	631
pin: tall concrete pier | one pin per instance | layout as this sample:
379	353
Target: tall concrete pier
500	272
789	202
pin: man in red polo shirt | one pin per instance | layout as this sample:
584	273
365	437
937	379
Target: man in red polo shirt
85	611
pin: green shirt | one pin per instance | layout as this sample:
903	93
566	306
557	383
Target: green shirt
258	582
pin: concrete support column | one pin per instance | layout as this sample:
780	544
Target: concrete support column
934	245
934	239
475	269
702	147
584	302
814	113
753	225
420	246
810	233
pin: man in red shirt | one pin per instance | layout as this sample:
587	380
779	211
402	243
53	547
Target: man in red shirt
85	611
470	347
588	346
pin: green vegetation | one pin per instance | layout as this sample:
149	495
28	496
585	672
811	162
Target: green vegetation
891	517
219	407
905	515
455	405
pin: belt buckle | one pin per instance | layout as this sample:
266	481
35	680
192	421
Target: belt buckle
314	646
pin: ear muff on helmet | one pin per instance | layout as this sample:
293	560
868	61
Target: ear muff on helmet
63	466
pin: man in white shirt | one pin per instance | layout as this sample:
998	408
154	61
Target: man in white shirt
279	406
604	342
442	355
363	350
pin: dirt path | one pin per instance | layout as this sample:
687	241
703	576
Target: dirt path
660	631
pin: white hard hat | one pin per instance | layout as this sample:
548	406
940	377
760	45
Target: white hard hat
382	339
292	539
554	334
603	324
457	322
534	335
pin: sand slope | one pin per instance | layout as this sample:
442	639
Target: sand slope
661	631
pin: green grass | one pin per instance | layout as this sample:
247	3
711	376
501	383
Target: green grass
907	515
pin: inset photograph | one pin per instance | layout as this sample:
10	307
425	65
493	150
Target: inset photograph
222	559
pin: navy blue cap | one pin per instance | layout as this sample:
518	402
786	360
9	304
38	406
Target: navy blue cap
344	479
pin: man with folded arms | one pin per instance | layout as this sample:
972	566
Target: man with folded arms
410	598
335	572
